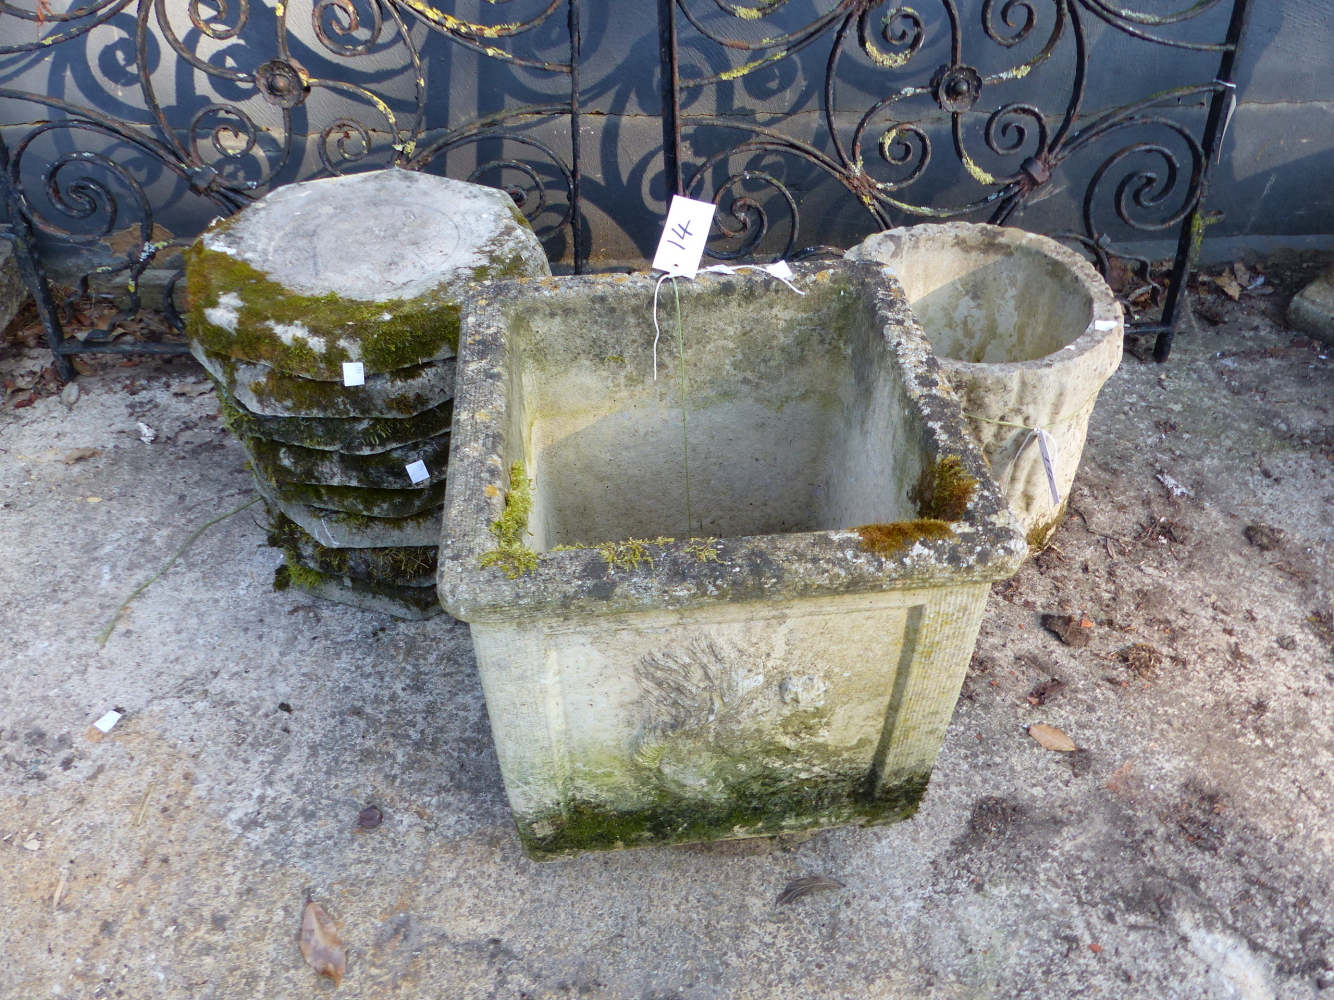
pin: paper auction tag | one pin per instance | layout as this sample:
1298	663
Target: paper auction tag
354	373
683	237
105	723
1047	445
417	472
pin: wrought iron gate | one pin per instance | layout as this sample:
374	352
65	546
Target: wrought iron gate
114	163
232	150
887	37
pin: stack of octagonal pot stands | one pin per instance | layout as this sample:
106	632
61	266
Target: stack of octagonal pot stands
327	313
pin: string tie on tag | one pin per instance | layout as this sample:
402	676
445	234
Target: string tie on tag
1046	443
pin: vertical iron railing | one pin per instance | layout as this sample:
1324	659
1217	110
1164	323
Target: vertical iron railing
228	153
1046	141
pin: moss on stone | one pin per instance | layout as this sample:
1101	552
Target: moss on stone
1040	534
512	555
753	807
282	464
631	553
408	566
944	490
888	539
365	502
346	329
352	435
703	551
411	600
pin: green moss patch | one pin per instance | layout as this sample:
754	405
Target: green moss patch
358	435
755	807
889	539
282	464
1040	534
943	492
362	501
512	555
313	335
408	566
631	553
413	602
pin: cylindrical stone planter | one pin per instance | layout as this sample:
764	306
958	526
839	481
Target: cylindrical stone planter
1026	332
731	603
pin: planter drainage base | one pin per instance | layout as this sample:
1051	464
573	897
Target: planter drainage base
781	652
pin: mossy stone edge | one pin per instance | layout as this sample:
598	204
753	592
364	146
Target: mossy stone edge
403	566
396	395
286	464
747	812
350	436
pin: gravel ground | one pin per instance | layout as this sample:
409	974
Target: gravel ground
1184	851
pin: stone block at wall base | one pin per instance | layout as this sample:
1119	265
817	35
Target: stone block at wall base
1312	309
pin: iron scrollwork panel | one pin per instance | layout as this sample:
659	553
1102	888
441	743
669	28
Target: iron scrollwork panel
1153	180
239	71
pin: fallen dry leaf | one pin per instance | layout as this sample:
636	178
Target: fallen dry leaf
1051	738
320	946
1121	778
1229	285
191	388
79	454
1070	629
1264	537
1046	691
83	367
799	887
1141	658
1243	273
130	238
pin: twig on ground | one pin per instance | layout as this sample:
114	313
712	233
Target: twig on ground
105	634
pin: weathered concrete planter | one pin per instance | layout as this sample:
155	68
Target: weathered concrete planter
1026	332
791	673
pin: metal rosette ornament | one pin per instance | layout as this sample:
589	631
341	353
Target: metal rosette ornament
327	314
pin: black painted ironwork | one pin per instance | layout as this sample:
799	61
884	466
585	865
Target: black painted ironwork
226	155
887	37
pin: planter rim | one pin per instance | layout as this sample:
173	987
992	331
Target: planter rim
989	545
1106	318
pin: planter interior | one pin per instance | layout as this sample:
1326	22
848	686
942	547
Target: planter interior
788	429
985	298
761	668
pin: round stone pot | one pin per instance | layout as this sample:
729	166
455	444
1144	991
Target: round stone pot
1026	332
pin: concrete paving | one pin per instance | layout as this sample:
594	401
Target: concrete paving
1184	852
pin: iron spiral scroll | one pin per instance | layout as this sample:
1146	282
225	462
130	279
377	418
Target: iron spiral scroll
118	161
1154	168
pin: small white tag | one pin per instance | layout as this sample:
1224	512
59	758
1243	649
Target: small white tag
354	373
1047	445
683	236
105	723
417	472
1103	325
779	269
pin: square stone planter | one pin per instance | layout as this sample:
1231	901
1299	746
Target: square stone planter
780	651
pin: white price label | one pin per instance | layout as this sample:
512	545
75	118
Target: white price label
683	237
354	373
417	472
1047	445
105	723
